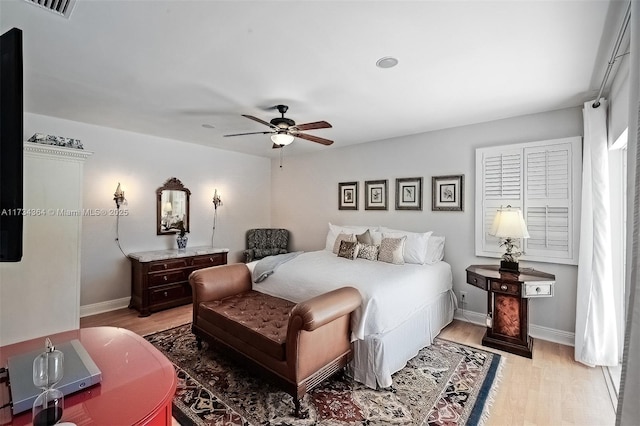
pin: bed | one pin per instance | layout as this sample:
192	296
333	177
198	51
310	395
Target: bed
404	305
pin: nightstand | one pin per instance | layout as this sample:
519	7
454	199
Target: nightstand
508	297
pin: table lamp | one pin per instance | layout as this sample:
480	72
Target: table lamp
509	225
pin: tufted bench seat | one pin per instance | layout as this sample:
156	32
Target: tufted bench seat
255	318
298	344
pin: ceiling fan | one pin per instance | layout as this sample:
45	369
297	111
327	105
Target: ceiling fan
284	130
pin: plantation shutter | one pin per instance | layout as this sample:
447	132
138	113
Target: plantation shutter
543	180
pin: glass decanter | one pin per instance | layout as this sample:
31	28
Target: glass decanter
47	372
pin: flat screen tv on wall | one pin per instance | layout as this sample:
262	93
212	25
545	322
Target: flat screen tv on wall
11	149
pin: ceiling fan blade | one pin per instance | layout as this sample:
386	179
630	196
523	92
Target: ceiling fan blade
266	123
311	126
251	133
312	138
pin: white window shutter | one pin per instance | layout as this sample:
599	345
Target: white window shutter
542	179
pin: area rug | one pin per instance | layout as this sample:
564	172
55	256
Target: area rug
445	384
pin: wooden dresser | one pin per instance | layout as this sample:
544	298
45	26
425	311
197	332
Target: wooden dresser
160	279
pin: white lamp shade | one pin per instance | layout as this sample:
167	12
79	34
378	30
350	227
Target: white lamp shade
168	207
281	139
509	223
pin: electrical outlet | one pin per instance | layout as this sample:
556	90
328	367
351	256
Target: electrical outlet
463	297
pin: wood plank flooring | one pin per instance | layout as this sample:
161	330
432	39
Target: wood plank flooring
550	389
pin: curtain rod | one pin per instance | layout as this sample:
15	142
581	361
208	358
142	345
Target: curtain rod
614	54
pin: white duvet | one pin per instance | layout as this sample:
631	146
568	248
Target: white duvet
390	293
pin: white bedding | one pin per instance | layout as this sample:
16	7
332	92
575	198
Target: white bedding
391	293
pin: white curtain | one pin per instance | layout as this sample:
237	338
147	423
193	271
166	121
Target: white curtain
628	412
596	337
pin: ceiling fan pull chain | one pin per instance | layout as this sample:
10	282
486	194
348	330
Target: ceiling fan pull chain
281	149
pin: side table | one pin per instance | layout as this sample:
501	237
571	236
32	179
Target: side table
508	297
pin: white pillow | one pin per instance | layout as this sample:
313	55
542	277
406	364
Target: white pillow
391	250
415	247
334	230
435	249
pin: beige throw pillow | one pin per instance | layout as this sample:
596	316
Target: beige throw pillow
392	250
348	250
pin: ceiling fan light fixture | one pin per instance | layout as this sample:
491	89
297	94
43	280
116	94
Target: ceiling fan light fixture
282	139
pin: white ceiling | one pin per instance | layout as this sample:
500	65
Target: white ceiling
165	68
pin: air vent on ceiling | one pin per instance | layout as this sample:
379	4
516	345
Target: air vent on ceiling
59	7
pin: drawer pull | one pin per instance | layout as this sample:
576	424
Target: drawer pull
165	278
211	259
475	281
165	266
165	294
538	289
504	287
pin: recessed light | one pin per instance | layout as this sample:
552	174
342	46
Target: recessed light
208	126
387	62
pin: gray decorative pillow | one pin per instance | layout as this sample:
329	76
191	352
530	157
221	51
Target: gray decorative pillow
340	238
392	250
368	251
348	250
365	237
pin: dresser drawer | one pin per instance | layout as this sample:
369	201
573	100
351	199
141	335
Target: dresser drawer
167	277
477	280
539	289
169	293
168	264
210	260
506	288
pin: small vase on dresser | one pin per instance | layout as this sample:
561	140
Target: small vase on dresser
182	242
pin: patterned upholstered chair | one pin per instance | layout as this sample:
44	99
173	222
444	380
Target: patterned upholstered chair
264	242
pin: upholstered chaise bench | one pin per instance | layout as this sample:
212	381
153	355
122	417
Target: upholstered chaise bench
299	344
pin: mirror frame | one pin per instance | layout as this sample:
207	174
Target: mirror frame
172	184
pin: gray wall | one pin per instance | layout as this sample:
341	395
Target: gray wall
305	196
142	163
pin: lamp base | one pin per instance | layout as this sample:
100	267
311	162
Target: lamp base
509	266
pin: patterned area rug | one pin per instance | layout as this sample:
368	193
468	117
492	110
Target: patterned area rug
445	384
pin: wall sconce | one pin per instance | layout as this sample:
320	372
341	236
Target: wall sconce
118	196
509	225
217	201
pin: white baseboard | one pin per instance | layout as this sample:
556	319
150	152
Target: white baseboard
535	331
100	307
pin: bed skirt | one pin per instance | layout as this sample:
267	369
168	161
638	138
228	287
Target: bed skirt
379	356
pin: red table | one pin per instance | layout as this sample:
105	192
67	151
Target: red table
138	381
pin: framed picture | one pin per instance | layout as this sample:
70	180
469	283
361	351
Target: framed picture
409	193
348	196
375	195
448	193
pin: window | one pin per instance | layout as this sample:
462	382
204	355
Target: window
543	180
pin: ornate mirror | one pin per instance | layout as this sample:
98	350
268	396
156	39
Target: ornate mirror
172	206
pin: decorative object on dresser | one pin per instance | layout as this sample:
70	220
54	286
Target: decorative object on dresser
262	242
509	225
375	195
160	279
447	193
172	206
348	196
409	193
181	238
508	297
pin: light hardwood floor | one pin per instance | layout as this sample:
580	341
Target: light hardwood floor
550	389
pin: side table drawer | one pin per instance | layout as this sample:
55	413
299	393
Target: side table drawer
539	289
506	288
477	280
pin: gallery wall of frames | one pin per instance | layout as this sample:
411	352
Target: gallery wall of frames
447	194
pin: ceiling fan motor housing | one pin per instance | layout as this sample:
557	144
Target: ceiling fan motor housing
282	122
